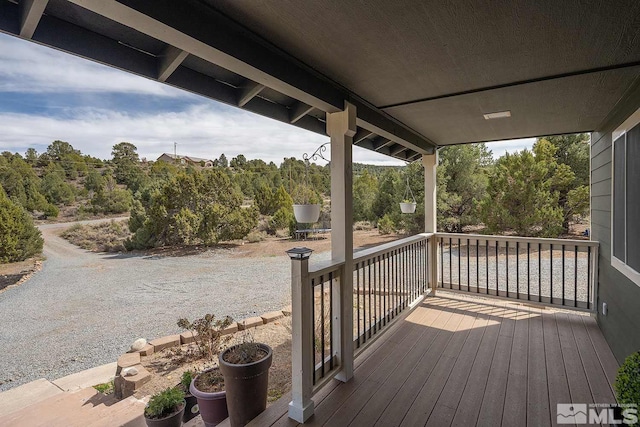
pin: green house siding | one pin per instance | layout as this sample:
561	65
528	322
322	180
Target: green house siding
621	325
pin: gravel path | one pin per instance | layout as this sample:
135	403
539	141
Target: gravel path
85	309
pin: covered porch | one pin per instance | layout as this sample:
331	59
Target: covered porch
375	338
468	360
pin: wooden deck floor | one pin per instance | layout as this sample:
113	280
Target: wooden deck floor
462	361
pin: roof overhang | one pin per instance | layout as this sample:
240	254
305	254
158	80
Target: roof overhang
420	77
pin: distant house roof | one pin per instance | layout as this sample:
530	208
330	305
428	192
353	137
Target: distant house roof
187	158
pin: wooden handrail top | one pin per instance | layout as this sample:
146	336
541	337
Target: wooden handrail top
541	240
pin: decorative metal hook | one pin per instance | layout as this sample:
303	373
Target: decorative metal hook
317	153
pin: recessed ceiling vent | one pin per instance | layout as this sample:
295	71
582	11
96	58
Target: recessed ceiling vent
497	115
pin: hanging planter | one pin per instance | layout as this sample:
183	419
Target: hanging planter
306	209
408	205
306	214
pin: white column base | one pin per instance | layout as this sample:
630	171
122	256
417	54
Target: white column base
300	413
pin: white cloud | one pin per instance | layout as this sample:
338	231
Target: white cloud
499	148
30	68
202	131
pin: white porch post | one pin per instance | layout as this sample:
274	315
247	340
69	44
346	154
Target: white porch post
301	405
430	163
341	127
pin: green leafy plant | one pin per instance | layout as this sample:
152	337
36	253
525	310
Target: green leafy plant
105	388
185	380
164	403
207	332
627	383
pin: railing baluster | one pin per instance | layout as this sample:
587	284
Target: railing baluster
322	325
517	270
331	321
563	274
477	267
313	316
589	277
497	268
441	240
575	276
507	264
486	257
528	271
539	272
357	267
551	271
369	291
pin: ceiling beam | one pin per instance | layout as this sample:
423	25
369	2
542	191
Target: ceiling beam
381	142
206	33
248	92
298	111
397	149
30	14
169	60
361	135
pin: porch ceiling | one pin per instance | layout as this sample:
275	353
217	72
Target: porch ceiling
421	74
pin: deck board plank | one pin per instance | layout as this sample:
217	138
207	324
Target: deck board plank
515	413
432	387
463	360
600	387
557	382
422	319
471	399
398	406
447	404
576	377
605	355
370	413
538	412
494	396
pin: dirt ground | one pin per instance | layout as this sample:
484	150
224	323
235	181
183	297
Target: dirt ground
167	366
17	272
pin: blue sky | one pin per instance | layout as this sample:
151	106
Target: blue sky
47	95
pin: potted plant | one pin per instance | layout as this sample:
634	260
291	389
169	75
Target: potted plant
208	387
408	206
165	409
306	207
191	407
627	383
245	367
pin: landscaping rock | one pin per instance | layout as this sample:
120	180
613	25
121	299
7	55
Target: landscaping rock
250	322
165	342
127	360
187	337
125	386
138	344
129	372
231	329
272	316
147	350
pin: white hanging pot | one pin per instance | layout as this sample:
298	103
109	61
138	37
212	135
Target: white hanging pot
408	208
307	214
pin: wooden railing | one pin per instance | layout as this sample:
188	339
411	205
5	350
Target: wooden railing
555	272
392	278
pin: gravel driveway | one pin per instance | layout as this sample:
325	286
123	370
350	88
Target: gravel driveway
84	309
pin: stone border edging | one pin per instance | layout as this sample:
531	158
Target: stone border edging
131	375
